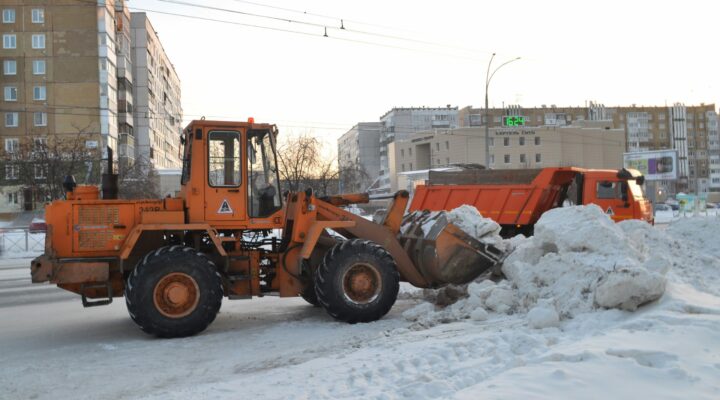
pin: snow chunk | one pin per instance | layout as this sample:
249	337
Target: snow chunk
543	316
469	219
629	288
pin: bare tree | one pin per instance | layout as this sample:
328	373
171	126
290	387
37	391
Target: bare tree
303	163
353	177
39	165
138	180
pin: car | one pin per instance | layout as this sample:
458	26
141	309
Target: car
37	225
663	213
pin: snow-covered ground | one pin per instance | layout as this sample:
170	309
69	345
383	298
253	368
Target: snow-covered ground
541	334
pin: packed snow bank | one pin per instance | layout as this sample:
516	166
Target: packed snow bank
578	261
699	233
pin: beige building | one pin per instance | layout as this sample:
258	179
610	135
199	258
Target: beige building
691	130
584	144
157	98
60	63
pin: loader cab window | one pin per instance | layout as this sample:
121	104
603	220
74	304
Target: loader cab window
224	158
263	187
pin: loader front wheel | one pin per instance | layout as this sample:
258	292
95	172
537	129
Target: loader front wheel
357	281
174	291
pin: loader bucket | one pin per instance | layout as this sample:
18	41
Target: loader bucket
442	252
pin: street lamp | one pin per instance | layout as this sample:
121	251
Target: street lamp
488	77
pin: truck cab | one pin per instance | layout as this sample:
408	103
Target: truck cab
619	193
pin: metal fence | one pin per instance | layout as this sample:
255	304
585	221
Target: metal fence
21	240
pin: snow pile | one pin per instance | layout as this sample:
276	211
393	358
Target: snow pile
700	233
580	259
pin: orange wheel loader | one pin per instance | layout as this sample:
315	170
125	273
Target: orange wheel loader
230	233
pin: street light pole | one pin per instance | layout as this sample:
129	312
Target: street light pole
488	77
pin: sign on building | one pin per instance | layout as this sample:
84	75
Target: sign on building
656	165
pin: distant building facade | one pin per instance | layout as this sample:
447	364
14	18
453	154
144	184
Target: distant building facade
584	144
400	123
68	76
691	130
157	93
359	156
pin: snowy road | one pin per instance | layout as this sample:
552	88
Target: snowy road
271	348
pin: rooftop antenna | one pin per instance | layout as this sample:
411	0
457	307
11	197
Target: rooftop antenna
325	35
342	24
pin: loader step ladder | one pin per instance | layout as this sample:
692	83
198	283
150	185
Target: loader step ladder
237	277
96	285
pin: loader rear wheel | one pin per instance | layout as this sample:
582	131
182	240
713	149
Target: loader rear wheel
357	281
174	291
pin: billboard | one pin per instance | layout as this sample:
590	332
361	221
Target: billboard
656	165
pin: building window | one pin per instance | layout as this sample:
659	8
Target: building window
12	172
491	142
39	67
410	154
522	141
10	93
538	157
437	148
9	16
11	121
447	160
410	166
492	159
12	145
507	158
38	15
13	198
38	41
40	171
537	141
447	145
39	93
506	141
438	161
40	143
9	41
402	167
40	119
523	159
10	67
402	153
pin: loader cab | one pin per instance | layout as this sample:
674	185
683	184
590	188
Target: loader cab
230	177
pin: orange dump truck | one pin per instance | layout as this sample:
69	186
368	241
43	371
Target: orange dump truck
516	198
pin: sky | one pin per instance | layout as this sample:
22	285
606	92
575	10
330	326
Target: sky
404	53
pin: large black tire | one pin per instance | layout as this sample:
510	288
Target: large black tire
174	291
357	281
310	296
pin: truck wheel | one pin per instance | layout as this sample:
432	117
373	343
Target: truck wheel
174	291
357	281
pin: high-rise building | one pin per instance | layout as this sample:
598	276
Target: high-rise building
157	98
68	80
359	156
60	85
402	122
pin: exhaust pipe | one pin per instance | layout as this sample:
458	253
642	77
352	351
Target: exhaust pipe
109	179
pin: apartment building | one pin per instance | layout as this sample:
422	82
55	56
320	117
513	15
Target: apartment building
587	144
157	98
60	85
691	130
359	156
402	122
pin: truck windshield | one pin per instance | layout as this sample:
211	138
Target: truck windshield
263	187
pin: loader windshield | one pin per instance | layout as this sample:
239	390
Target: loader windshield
263	188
